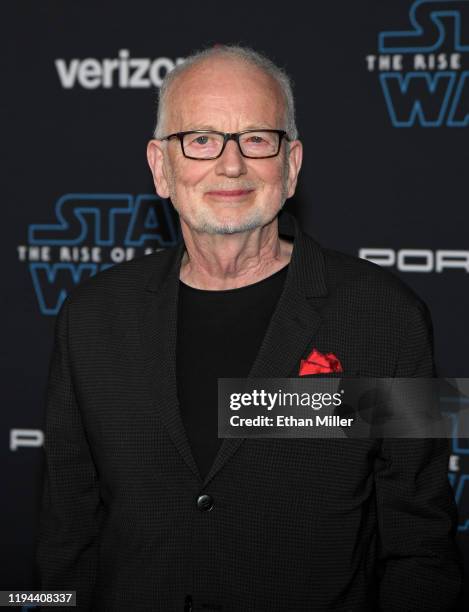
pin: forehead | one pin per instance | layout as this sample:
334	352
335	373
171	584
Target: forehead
224	94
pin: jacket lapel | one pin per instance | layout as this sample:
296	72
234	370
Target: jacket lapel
291	331
158	334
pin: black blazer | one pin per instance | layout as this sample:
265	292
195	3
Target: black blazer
346	525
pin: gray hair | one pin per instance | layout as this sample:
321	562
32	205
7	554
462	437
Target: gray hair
244	54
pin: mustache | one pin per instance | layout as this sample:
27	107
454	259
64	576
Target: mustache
229	186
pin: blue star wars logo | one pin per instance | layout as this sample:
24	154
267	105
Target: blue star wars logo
92	232
421	68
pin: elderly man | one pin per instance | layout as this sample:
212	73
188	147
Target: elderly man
144	507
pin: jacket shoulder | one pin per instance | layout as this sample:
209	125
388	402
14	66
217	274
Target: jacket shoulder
122	281
368	281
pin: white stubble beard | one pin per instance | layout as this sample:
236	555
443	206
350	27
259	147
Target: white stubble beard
201	221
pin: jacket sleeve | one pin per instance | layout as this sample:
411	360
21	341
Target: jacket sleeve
67	544
420	565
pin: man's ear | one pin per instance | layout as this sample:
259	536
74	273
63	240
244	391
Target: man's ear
155	159
295	159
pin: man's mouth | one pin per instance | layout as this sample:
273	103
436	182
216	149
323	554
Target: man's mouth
229	193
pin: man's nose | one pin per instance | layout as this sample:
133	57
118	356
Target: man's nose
231	162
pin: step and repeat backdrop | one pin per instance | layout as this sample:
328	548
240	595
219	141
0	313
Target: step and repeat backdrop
382	95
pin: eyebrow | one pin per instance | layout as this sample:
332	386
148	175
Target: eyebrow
253	126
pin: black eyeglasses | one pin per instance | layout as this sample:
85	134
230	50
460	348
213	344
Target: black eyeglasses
206	144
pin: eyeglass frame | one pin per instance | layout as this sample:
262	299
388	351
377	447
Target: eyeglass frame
229	136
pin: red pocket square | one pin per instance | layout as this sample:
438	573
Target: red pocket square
317	363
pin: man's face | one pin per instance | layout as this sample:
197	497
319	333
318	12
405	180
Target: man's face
232	193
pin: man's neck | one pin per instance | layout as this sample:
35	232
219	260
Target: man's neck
233	265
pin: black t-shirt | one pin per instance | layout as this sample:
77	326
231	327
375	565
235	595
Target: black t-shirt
219	334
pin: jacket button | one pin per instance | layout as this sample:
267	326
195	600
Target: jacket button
205	502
